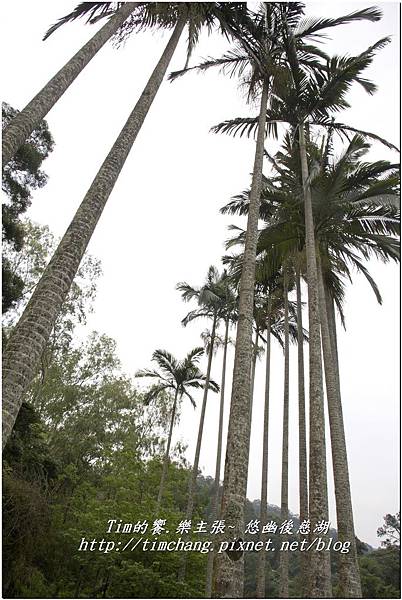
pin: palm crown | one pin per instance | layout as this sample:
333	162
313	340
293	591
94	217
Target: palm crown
215	297
176	375
355	205
163	15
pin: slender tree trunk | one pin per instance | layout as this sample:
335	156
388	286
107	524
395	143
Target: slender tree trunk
319	582
261	559
349	574
253	365
303	488
166	459
194	473
284	556
230	580
32	332
28	119
332	331
215	497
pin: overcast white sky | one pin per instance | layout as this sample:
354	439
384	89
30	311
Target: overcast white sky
162	226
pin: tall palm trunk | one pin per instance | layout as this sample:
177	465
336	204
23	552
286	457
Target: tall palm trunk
30	335
194	473
253	365
166	458
24	123
303	488
349	575
319	582
260	575
230	580
332	330
283	556
215	496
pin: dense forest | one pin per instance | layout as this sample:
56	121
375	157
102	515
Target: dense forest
99	499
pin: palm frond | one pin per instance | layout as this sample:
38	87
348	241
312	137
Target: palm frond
310	26
91	10
232	63
189	396
187	291
165	360
195	314
154	392
342	128
194	355
148	373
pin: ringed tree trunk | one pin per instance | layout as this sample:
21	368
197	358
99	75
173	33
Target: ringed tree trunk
349	574
303	488
30	336
166	459
332	330
215	497
283	556
229	581
28	119
319	582
261	559
194	472
253	365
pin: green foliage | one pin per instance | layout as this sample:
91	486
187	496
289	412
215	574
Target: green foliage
27	266
12	286
28	471
391	530
380	570
380	574
21	176
85	450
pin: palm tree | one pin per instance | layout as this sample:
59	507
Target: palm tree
31	333
265	43
325	96
349	573
351	189
119	24
278	319
29	118
177	376
259	53
283	556
211	300
279	316
303	485
355	210
260	574
229	314
355	204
